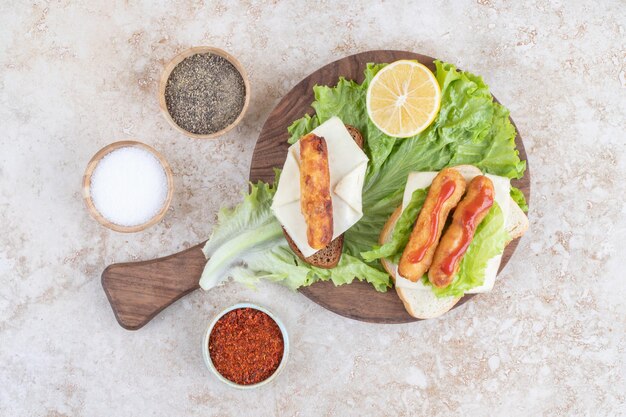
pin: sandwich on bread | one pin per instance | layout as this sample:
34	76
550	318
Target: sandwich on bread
444	249
330	166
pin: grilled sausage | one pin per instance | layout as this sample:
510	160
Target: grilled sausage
445	192
466	218
316	203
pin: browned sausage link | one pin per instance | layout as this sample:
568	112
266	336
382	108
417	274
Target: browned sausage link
455	242
445	192
315	200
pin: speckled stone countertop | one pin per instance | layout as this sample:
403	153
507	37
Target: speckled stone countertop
549	340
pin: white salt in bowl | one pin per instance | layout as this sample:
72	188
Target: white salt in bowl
128	186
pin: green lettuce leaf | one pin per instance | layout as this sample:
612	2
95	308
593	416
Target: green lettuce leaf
495	153
301	127
518	197
349	268
401	232
251	214
279	264
346	98
489	241
247	228
248	244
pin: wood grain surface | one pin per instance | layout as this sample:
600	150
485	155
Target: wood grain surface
140	290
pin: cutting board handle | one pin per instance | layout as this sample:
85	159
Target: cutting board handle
138	291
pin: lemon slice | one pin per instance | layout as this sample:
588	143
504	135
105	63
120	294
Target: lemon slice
403	99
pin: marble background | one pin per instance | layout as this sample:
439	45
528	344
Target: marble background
74	76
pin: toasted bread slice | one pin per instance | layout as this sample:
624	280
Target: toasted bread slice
329	256
325	258
424	304
356	135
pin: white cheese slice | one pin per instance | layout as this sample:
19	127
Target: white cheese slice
416	181
502	188
347	164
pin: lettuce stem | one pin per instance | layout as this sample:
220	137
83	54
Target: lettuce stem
235	249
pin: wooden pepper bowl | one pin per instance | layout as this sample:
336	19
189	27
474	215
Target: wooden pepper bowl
177	60
91	166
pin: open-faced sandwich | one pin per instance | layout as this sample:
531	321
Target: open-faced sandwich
319	192
438	263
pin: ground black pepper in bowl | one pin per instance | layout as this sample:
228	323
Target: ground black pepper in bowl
205	93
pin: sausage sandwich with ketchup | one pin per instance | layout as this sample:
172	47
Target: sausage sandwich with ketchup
456	242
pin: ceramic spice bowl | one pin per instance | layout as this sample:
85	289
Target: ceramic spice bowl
213	367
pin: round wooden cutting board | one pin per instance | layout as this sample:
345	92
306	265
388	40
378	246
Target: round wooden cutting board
358	300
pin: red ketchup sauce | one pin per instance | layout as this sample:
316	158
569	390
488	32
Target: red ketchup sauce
447	189
481	204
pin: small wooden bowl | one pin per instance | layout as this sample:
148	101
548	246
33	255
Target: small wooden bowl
177	60
91	166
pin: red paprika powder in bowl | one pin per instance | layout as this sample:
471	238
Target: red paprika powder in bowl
245	346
